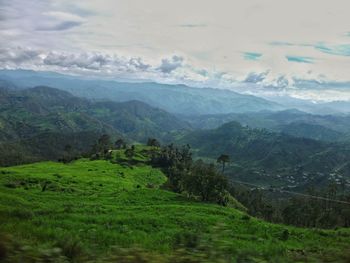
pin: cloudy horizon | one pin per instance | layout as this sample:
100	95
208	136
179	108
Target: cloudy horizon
268	48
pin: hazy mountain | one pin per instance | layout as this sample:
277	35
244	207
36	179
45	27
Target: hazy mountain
293	122
260	155
179	99
320	108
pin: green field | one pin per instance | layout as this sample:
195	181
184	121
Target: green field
89	210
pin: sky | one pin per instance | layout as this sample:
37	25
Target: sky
298	48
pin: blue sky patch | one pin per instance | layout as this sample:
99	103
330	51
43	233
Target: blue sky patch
252	55
339	50
300	59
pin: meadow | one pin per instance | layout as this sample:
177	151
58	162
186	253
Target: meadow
120	211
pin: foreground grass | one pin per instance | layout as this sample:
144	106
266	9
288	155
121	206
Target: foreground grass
90	209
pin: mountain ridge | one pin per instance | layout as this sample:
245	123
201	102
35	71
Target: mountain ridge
172	98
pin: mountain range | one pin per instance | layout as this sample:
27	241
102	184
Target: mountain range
292	122
179	99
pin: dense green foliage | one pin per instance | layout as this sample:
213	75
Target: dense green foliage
315	209
34	123
85	210
268	158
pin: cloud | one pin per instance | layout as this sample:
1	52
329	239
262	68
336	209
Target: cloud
81	61
60	26
171	70
252	56
281	43
14	57
192	25
254	77
339	50
169	65
300	59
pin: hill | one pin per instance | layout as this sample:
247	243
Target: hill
86	211
51	116
292	122
179	99
271	158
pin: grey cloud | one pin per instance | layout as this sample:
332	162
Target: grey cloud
59	26
192	25
83	60
169	65
139	64
78	61
18	56
78	10
31	16
254	77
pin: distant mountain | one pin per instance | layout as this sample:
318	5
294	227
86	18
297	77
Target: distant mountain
320	108
305	130
292	122
340	106
260	155
179	99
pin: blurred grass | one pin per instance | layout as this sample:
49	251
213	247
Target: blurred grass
103	211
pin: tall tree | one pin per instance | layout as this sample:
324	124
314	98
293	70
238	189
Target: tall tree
223	159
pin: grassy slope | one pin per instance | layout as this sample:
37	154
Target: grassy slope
94	205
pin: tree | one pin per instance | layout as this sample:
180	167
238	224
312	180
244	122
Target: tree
153	142
67	154
175	162
223	159
102	147
104	141
130	152
203	180
120	144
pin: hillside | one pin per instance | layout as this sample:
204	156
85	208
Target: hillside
51	116
89	210
179	99
270	158
292	122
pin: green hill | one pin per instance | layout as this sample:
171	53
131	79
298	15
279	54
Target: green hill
261	156
48	109
37	123
86	211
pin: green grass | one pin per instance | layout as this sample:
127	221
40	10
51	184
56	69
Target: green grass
89	207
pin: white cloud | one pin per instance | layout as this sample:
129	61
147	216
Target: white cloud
211	41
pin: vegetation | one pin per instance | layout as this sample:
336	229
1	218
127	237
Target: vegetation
223	159
36	121
108	211
110	199
319	209
266	158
